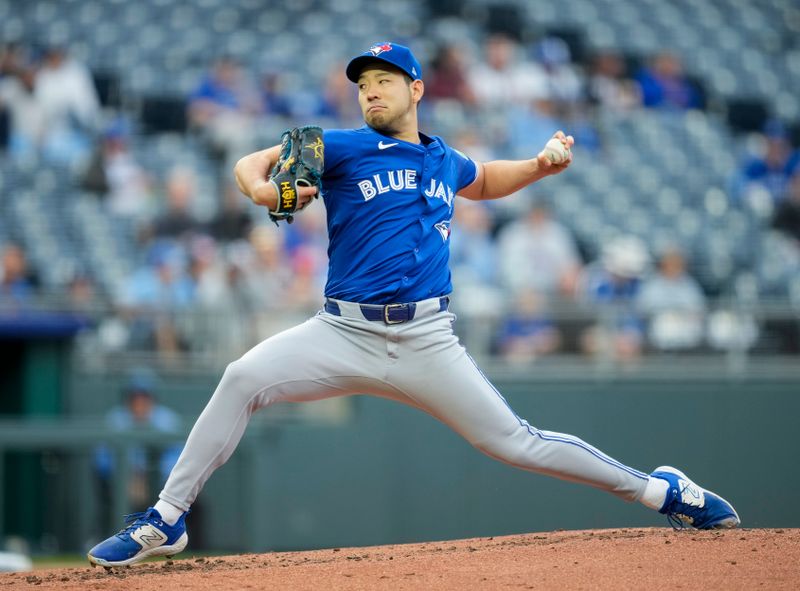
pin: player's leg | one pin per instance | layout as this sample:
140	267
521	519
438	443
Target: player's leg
308	362
321	358
437	373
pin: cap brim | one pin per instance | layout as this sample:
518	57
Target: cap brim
357	64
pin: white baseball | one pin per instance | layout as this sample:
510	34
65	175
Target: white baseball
556	152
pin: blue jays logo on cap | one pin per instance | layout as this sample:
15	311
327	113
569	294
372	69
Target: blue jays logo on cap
397	55
380	48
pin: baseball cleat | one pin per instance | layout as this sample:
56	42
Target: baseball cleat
144	535
689	504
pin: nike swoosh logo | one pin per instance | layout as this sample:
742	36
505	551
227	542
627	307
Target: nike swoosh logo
382	146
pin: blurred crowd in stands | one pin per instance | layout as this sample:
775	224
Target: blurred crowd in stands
220	279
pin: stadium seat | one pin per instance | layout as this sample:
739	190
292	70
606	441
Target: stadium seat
747	114
108	87
163	113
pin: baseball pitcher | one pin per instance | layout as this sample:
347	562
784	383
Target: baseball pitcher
385	328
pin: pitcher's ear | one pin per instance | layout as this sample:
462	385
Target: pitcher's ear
417	90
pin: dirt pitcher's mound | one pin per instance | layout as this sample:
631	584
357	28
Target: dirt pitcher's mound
601	559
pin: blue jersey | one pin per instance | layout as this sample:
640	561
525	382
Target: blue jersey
390	204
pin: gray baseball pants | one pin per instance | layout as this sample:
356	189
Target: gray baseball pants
419	363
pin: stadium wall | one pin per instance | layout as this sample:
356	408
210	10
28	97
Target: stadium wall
382	473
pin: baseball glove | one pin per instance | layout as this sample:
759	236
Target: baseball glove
300	164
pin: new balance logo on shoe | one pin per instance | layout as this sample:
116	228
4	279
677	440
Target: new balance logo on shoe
148	536
691	494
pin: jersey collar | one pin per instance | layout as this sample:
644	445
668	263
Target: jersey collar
427	142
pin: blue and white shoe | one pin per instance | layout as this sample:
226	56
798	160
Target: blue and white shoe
689	504
145	535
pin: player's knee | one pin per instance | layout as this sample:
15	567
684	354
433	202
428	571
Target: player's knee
497	448
511	448
239	379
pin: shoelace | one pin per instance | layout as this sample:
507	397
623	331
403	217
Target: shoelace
675	522
134	520
672	517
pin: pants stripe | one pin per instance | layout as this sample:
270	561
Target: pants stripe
562	438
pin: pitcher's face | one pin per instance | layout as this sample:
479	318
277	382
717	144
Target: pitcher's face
387	98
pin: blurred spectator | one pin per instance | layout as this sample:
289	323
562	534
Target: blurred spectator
17	282
25	115
5	115
149	466
527	331
274	97
179	219
338	99
473	251
564	85
153	298
288	269
447	78
267	280
307	247
612	285
207	274
266	274
222	319
674	305
232	222
732	330
307	281
65	90
115	174
474	259
82	291
530	126
224	107
504	78
285	94
537	252
787	215
608	85
771	169
473	143
663	84
211	294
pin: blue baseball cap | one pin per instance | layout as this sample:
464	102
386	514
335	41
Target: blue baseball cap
397	55
141	380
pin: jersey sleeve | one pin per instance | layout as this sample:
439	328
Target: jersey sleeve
335	151
466	169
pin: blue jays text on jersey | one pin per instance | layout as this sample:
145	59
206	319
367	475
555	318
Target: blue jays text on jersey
389	205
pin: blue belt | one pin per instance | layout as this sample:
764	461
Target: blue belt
388	314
